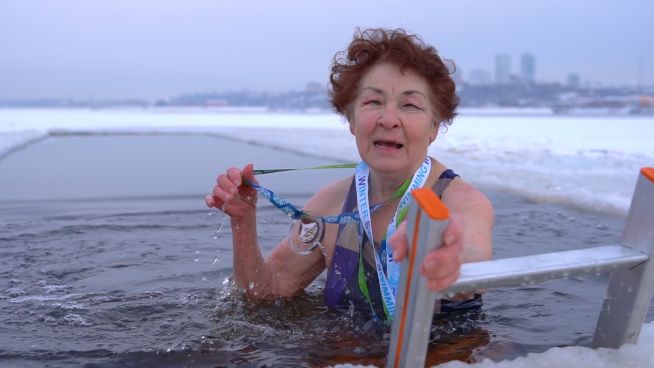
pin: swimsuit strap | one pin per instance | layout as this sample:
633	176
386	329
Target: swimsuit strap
443	182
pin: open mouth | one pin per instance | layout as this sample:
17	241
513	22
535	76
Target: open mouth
388	144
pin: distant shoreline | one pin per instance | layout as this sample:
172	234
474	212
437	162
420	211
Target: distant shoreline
466	111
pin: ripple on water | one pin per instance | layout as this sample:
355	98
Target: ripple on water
69	319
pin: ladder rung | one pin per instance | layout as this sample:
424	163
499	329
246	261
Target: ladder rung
542	267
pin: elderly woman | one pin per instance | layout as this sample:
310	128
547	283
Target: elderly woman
395	92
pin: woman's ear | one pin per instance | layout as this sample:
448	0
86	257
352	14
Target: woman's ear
434	132
349	115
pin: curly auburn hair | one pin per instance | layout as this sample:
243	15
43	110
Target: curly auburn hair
408	51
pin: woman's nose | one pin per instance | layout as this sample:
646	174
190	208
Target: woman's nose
389	118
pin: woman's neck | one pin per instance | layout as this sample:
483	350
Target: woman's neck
383	186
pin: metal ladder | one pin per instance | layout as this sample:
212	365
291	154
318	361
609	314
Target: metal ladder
630	287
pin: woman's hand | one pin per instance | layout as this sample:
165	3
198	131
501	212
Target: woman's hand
232	195
441	266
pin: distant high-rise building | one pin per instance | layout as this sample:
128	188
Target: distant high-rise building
480	77
527	67
573	80
502	69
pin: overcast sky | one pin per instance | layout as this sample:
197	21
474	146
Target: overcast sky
159	49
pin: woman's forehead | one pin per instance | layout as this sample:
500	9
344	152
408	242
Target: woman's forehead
387	78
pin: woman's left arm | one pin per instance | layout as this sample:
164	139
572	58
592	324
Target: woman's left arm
467	238
477	217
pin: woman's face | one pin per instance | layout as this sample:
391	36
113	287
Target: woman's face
393	119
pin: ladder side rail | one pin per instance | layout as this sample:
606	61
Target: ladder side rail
630	290
411	325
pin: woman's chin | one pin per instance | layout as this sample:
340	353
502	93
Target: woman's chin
393	164
389	166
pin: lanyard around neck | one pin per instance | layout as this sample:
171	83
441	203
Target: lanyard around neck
388	282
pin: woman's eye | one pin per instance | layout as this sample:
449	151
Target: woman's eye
411	106
372	103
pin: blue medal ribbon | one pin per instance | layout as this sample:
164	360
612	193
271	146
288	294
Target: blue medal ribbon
388	281
294	213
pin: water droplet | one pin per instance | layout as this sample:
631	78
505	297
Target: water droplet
196	260
251	285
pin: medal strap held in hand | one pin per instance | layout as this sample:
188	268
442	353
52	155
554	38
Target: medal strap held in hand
336	166
294	213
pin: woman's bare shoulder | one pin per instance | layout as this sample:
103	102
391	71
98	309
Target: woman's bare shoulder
329	198
464	196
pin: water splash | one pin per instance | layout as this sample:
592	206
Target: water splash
221	224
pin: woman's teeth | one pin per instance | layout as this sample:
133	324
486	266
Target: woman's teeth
388	144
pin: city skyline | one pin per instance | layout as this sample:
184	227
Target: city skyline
147	49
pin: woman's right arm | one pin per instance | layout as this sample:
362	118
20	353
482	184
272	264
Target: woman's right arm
238	200
284	273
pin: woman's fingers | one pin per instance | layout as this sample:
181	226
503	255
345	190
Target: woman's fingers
441	261
235	176
398	243
228	183
210	201
453	233
442	266
231	194
248	173
442	283
441	274
248	193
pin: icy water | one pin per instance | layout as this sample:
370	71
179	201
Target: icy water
108	258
